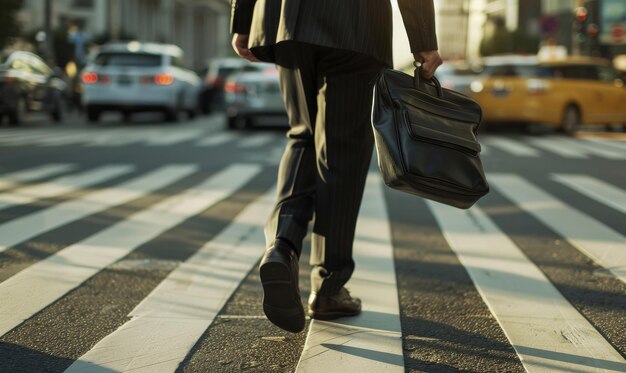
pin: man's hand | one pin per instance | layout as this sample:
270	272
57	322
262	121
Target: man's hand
430	61
240	45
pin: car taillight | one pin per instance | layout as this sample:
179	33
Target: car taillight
537	86
232	87
90	78
164	79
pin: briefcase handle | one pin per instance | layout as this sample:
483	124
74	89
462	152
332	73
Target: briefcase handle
432	82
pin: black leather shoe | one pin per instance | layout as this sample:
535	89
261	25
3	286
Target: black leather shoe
329	307
281	294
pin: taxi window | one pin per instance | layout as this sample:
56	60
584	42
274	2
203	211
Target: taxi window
606	74
525	71
582	72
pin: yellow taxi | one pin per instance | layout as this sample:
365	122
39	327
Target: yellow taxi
563	92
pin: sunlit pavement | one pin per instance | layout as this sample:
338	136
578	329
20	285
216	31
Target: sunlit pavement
134	247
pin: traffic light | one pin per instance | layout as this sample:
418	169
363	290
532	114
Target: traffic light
581	15
593	30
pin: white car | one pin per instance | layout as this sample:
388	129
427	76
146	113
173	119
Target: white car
134	77
252	94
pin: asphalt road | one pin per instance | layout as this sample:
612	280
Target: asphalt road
134	247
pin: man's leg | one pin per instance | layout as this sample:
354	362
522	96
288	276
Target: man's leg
287	226
344	143
296	174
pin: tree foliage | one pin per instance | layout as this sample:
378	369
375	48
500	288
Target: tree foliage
9	24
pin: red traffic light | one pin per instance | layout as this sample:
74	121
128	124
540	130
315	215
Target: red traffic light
593	30
581	14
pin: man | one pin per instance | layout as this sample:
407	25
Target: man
328	53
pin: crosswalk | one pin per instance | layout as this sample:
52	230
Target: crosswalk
530	147
547	331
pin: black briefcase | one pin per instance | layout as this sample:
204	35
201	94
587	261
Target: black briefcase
426	139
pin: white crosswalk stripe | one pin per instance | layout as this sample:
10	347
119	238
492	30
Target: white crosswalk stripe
338	346
217	139
616	145
45	138
167	139
601	243
169	321
593	188
19	138
597	150
15	179
21	229
520	146
546	331
256	141
63	185
43	283
528	146
554	146
60	139
143	137
114	138
512	146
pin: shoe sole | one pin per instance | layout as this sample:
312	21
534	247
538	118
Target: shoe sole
281	298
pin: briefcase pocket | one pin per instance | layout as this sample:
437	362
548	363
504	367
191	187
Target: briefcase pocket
446	132
422	156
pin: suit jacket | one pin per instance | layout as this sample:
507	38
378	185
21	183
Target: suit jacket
363	26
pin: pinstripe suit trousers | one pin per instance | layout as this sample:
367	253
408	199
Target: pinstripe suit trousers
327	93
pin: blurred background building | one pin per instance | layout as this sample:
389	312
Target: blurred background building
475	28
199	27
468	29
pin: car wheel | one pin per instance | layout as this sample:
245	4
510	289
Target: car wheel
249	122
127	116
234	122
571	120
171	115
17	115
93	114
204	102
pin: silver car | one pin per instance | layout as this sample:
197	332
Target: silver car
133	77
458	76
254	94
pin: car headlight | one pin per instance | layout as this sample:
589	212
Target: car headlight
477	86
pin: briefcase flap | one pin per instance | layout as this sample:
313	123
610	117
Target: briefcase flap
422	126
